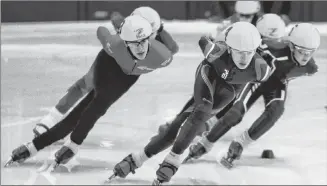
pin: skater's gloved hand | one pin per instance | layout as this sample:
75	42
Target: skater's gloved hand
160	28
286	19
116	19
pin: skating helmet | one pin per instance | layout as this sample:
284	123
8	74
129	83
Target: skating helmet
149	14
304	40
247	7
135	31
271	26
135	28
242	39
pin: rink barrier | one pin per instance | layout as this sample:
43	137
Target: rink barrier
175	27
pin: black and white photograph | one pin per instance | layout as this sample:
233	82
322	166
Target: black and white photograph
163	92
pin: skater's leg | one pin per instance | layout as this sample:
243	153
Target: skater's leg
274	95
209	93
158	143
104	97
57	132
275	106
60	130
166	135
65	126
232	117
107	91
74	93
249	95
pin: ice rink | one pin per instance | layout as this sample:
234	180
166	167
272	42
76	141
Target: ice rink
40	61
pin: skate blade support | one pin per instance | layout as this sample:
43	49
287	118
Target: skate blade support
9	162
188	158
156	182
114	175
224	161
52	167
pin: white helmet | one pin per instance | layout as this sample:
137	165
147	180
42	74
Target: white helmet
271	26
242	36
149	14
247	7
305	35
135	28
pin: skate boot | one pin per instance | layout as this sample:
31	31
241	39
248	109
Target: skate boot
129	164
165	172
65	153
126	166
203	146
22	153
167	169
234	153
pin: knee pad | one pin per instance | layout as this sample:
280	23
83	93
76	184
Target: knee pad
202	112
171	128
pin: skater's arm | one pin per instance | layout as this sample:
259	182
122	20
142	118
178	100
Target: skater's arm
211	50
164	37
102	99
309	69
262	69
103	35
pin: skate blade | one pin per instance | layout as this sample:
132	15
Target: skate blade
9	162
226	163
52	167
114	175
156	182
187	159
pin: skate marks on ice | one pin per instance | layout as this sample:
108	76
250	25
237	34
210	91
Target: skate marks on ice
174	181
246	161
252	169
76	165
36	172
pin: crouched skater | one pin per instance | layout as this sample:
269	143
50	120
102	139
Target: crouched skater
117	67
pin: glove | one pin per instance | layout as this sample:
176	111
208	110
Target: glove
286	19
161	27
116	19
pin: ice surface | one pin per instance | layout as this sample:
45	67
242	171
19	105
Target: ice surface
39	62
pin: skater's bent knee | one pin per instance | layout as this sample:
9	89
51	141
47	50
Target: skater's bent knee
233	117
276	108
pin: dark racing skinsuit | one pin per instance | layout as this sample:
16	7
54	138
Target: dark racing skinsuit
274	92
216	84
84	85
115	70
